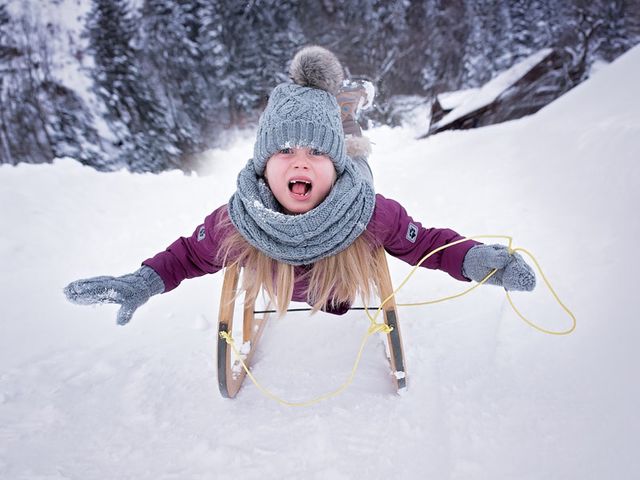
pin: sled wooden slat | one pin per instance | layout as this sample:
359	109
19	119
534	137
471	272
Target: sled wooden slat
230	371
390	311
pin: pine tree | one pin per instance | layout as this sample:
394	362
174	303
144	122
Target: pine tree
531	29
71	125
215	66
5	46
5	53
261	37
475	67
145	140
582	37
617	28
170	33
447	33
40	119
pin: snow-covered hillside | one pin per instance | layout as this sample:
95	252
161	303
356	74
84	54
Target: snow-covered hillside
489	397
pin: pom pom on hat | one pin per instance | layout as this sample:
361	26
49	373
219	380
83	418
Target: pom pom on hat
317	67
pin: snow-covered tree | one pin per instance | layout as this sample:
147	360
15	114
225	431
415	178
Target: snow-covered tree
174	61
621	25
261	37
40	119
146	143
446	32
173	74
71	124
215	66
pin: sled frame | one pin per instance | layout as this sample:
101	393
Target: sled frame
231	374
390	312
230	371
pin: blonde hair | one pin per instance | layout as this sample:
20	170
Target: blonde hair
332	281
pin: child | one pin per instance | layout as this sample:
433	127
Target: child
305	220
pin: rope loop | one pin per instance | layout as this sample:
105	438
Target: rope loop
379	327
228	338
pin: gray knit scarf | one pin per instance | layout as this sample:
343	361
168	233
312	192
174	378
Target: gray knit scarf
308	237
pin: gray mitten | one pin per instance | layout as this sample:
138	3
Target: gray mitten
130	291
513	272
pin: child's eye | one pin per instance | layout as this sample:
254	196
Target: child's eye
315	151
285	150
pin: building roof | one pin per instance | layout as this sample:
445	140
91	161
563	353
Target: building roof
493	89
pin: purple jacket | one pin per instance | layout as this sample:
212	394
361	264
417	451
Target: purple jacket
390	227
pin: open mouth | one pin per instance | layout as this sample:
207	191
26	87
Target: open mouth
300	188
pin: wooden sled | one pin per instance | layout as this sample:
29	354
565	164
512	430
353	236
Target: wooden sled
230	371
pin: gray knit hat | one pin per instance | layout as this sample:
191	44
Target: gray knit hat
304	113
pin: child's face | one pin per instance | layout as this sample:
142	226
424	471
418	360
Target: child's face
300	178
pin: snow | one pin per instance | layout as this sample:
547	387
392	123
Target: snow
450	100
488	397
245	348
492	89
366	103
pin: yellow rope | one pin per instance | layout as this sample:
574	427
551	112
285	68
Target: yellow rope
555	295
375	327
511	250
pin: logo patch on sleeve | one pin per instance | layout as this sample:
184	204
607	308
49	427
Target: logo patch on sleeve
202	233
412	233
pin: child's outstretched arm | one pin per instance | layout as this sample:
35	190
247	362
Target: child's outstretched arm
408	240
187	257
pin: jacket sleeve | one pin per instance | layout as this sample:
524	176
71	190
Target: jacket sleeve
406	239
193	256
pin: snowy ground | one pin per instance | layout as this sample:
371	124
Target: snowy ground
489	397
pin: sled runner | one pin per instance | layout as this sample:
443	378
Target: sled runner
230	371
